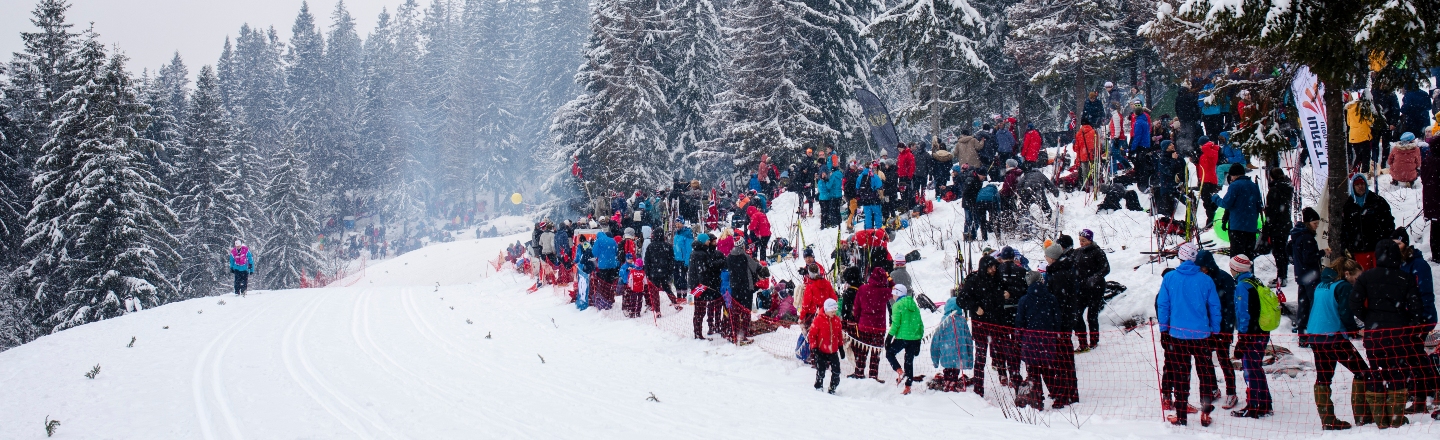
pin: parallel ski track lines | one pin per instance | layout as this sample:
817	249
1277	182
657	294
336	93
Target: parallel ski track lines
217	387
621	418
299	362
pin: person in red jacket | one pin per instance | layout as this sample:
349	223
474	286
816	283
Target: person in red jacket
824	338
760	228
1205	170
1030	148
905	170
817	291
871	308
1086	144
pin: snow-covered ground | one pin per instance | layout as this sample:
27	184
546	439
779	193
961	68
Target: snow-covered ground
437	344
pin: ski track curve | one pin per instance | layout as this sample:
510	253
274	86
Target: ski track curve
291	342
203	362
620	417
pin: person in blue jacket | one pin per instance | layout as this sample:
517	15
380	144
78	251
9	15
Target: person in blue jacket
1252	341
952	349
832	186
242	264
1212	114
607	257
1231	154
1188	310
1140	154
1242	203
684	244
868	187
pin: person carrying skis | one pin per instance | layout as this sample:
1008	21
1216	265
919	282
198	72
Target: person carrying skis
242	264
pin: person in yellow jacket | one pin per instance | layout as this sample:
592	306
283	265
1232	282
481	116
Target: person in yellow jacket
1360	138
906	329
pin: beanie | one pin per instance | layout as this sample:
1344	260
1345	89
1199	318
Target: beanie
1006	253
1065	242
1401	235
899	290
1187	251
1011	163
703	238
1236	170
1239	264
1087	234
1309	215
831	305
1054	251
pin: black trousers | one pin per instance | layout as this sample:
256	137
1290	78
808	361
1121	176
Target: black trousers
1188	352
1333	350
826	361
706	310
1220	348
1242	243
994	341
1093	302
911	349
1207	190
242	281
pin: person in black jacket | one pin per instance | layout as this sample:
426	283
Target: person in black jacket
1036	324
742	269
659	265
1306	256
1278	219
1222	342
968	183
1366	219
1063	282
984	296
1387	301
1091	266
706	263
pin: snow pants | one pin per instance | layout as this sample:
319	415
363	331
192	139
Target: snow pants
1251	350
873	218
826	361
242	281
994	341
1220	349
1187	352
864	356
911	349
1333	350
706	310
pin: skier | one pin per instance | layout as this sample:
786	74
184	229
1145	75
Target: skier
242	264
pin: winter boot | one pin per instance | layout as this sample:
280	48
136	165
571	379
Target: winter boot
1326	407
1359	405
1397	407
1379	410
1181	414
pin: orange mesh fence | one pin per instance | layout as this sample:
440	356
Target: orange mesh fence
1132	373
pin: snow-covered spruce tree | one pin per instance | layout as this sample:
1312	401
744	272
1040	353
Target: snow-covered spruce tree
306	95
259	96
835	57
493	34
289	254
167	95
614	129
381	141
762	110
1063	40
392	113
37	80
12	205
115	233
937	40
693	61
342	106
207	199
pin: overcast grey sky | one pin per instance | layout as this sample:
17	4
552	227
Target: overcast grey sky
150	31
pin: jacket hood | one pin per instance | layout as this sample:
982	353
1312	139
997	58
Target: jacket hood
685	232
1387	254
986	262
951	307
1299	230
601	234
1189	268
1328	275
1039	290
646	231
1206	259
1351	188
877	277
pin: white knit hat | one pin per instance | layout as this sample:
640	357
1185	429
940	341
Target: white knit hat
831	305
1239	264
1187	251
899	290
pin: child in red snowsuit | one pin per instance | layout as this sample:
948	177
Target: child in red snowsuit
824	341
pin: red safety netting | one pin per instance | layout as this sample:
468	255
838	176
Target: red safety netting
1133	373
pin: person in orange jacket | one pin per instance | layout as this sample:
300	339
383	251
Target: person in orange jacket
1086	144
824	338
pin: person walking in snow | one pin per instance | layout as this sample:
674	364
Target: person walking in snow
824	338
1253	340
906	329
1036	323
1188	310
242	264
705	266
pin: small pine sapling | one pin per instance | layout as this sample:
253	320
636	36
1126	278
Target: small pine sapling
132	343
51	426
93	372
652	398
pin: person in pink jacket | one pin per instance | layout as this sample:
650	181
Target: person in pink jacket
1405	161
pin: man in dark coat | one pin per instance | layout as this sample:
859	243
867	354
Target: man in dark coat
1430	196
1063	282
706	263
659	268
1278	223
1091	267
984	296
1036	322
742	267
1366	219
1242	205
1387	301
1305	255
1222	341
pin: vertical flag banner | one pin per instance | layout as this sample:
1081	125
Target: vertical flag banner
881	127
1309	99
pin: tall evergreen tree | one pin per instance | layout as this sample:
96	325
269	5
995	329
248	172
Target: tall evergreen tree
762	110
342	102
693	61
288	245
939	41
1058	40
167	95
836	57
207	200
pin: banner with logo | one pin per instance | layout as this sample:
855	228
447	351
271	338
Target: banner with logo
881	127
1310	100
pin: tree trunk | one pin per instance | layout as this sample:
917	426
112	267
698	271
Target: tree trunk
934	97
1335	181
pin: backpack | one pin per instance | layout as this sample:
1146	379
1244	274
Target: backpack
988	194
242	256
1269	317
637	280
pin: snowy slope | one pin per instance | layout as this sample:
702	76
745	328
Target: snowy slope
393	356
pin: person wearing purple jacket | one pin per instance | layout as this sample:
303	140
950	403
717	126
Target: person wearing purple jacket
1188	309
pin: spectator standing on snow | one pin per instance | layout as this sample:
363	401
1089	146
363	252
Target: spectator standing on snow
1062	280
1387	302
1036	324
983	295
1405	160
1253	339
905	174
967	149
952	349
1422	368
1030	149
1242	205
1305	254
1220	343
1091	267
1188	310
1430	191
906	329
824	337
684	246
817	291
1329	324
242	264
870	313
1366	219
742	269
760	229
705	266
831	195
1360	139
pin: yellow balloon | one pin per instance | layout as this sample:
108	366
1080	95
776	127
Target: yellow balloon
515	198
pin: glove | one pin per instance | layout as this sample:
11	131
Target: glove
841	351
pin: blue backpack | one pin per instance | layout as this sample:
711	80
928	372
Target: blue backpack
988	194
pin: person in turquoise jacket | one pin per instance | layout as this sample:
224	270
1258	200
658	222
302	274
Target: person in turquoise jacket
832	187
242	264
684	244
952	349
906	329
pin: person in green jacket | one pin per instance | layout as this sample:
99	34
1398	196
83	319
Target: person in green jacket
906	329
